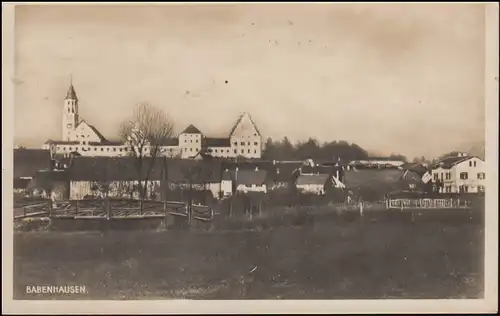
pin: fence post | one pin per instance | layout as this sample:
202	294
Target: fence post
361	208
76	208
165	208
108	209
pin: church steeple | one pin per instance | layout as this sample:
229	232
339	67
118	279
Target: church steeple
71	94
70	113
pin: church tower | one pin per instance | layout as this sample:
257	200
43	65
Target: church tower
70	114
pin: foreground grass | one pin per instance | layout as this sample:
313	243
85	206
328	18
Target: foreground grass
327	260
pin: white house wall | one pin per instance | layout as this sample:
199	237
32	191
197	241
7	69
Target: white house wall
311	188
79	189
451	177
252	188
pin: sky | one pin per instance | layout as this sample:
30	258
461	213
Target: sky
402	78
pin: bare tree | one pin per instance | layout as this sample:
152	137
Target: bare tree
145	133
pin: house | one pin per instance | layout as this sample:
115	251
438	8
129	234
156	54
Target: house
199	175
50	183
374	184
459	174
116	177
316	183
244	181
283	175
26	164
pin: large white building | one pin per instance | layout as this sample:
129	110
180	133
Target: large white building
460	174
80	137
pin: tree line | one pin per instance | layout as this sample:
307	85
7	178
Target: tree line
327	151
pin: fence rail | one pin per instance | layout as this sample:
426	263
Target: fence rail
113	209
427	203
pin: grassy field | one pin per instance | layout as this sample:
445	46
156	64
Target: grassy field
325	259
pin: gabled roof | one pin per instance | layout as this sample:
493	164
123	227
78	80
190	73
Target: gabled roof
28	161
21	183
207	171
71	94
191	129
317	169
114	168
317	179
449	162
249	177
238	121
415	167
94	129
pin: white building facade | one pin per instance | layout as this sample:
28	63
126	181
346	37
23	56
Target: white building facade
462	174
78	136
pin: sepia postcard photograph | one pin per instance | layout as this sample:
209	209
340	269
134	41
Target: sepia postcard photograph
249	158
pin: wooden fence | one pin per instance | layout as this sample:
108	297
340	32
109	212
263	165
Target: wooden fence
452	203
113	209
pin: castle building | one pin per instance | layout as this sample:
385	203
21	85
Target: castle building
78	136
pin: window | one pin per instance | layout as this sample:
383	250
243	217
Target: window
216	150
196	140
480	188
235	143
191	141
255	151
436	176
447	189
102	149
235	151
256	143
190	149
442	176
121	149
71	148
248	143
448	175
464	189
474	163
64	148
480	175
242	151
107	149
470	163
114	149
95	148
464	175
249	151
242	143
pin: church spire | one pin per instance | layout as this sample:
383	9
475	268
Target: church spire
71	94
